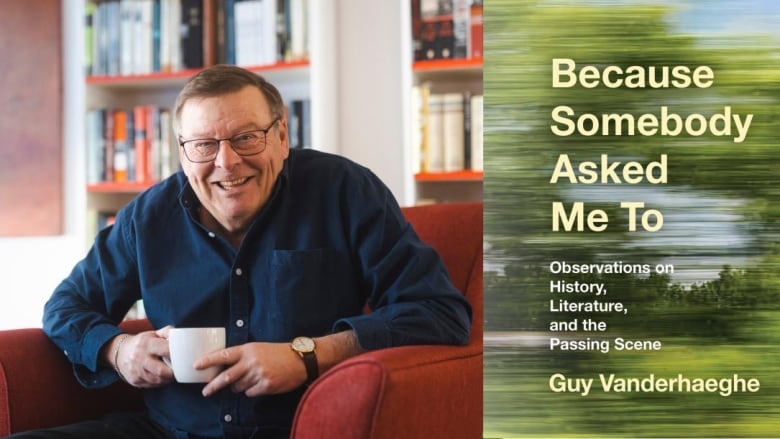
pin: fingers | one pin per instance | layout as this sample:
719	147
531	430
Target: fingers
254	369
164	332
222	357
140	361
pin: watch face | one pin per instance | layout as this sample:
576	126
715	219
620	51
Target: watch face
303	344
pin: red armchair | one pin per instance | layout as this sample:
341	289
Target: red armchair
406	392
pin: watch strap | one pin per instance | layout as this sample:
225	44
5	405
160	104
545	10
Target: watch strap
312	369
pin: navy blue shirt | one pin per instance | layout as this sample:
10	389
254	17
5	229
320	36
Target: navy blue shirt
330	240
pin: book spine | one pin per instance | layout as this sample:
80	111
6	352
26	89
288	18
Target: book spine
476	133
156	36
268	36
461	28
230	32
452	131
299	19
425	128
89	37
220	52
192	34
120	146
429	13
108	141
209	32
435	145
445	38
140	141
415	100
153	142
475	35
467	130
95	147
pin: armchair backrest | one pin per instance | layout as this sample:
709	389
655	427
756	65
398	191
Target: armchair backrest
455	231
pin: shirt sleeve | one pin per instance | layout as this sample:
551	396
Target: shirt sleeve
409	290
82	314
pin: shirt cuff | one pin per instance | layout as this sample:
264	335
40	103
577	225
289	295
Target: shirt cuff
372	333
88	368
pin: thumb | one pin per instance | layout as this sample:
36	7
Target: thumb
164	331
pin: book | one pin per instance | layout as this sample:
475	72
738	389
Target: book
247	21
120	171
452	131
461	28
89	36
191	34
434	134
300	123
108	144
476	133
95	146
209	33
142	143
467	96
429	28
475	32
416	129
299	29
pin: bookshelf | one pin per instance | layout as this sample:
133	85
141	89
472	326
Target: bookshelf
299	78
446	98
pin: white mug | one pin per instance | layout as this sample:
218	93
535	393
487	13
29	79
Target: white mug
187	345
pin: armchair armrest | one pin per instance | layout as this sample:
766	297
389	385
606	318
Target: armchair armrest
409	392
38	388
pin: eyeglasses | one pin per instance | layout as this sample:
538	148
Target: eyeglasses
244	144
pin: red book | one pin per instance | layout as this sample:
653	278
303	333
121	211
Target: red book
120	146
476	31
141	142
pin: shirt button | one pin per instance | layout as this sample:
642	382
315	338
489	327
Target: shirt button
228	418
66	352
240	323
239	271
212	235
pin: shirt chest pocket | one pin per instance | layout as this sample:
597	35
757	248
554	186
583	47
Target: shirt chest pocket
313	288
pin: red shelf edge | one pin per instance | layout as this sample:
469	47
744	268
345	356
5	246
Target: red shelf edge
113	187
449	176
447	64
118	79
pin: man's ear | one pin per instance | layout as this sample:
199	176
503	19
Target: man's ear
284	137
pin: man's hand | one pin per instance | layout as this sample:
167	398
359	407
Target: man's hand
269	368
139	360
255	369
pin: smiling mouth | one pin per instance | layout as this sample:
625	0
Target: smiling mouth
229	184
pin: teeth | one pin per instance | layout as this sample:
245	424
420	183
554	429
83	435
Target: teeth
236	182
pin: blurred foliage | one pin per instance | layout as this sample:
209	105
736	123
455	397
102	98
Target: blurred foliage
719	313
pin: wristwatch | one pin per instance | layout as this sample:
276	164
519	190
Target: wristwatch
305	347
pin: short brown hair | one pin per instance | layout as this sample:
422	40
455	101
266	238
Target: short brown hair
223	79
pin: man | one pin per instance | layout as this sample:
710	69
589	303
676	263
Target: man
270	243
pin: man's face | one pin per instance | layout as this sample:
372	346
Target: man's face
233	188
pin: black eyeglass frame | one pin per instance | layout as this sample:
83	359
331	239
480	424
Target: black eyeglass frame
230	140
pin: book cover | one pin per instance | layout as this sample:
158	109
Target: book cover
632	227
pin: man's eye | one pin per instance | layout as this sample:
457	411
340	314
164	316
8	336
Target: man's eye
244	138
205	144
